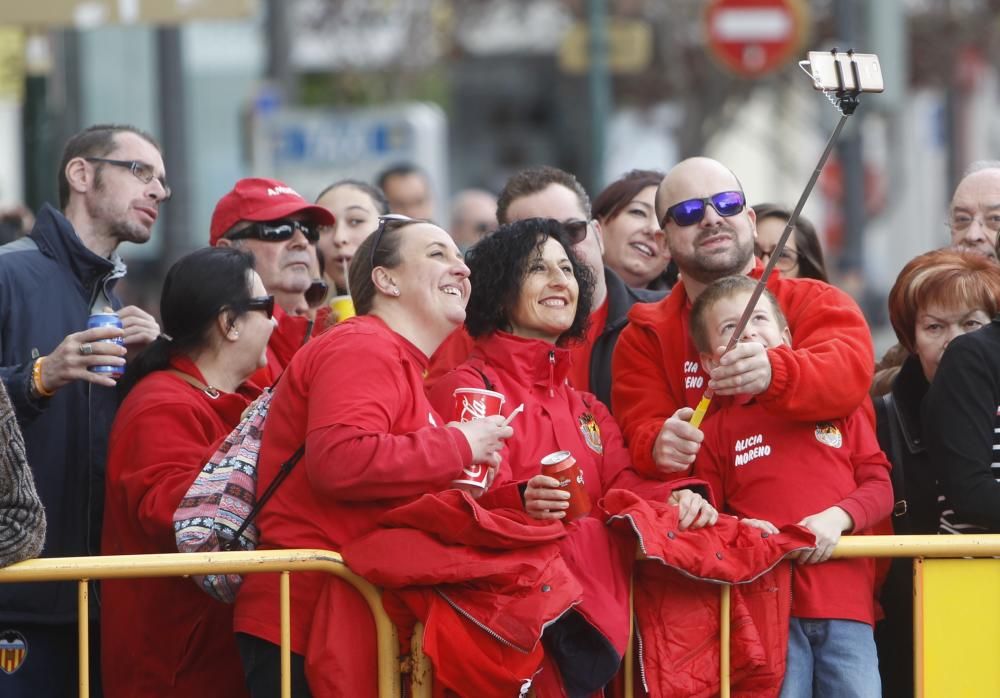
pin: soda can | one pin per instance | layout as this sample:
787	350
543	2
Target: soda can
107	320
562	466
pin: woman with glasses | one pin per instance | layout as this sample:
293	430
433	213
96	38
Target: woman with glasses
530	301
354	396
937	297
634	245
802	255
181	396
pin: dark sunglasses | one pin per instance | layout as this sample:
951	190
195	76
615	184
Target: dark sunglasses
316	293
576	230
380	230
265	303
276	231
725	203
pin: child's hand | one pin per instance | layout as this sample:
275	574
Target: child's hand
677	444
827	527
763	525
695	511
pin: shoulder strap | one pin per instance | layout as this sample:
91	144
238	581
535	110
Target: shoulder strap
486	381
890	438
283	472
195	383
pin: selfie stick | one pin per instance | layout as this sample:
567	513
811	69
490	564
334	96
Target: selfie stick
846	101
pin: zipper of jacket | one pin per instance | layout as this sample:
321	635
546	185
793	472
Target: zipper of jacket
552	372
642	658
492	633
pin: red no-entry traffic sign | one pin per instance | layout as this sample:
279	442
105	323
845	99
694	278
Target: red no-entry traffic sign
755	37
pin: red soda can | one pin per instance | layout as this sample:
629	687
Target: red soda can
562	466
107	320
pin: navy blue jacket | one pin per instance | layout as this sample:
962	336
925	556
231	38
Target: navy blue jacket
48	283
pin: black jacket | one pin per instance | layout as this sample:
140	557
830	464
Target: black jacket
48	283
620	299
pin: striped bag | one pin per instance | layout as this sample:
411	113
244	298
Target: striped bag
219	508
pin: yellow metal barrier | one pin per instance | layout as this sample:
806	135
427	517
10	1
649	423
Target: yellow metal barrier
84	569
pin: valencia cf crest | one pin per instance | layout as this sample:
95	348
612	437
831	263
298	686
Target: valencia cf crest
591	432
13	650
829	434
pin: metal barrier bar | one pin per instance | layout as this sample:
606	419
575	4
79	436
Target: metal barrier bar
724	640
75	569
286	636
83	637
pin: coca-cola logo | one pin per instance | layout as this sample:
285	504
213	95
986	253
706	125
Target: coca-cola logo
473	409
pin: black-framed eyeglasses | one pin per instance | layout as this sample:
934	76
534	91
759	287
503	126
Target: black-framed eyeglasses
316	293
142	171
276	231
380	230
691	211
576	230
786	260
265	303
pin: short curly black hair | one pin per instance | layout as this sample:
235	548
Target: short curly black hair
499	264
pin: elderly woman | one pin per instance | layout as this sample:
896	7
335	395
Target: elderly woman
183	394
530	299
937	297
354	396
802	255
634	245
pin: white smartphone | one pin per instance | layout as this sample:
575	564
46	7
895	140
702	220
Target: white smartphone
822	67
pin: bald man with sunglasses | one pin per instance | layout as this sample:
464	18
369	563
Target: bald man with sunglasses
657	377
271	220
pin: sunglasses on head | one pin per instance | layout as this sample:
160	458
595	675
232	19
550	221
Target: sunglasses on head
316	293
276	231
380	230
725	203
265	303
576	230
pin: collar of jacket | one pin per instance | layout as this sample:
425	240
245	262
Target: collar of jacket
621	298
908	391
544	364
56	238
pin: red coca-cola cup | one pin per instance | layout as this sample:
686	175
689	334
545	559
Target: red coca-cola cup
562	466
475	403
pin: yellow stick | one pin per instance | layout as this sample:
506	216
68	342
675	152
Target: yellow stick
701	409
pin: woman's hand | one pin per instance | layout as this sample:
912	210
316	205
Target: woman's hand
827	526
486	437
695	511
544	500
765	526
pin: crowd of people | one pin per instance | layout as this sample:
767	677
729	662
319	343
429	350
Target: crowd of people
600	327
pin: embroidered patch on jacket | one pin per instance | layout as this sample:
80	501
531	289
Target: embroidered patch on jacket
591	432
829	434
13	650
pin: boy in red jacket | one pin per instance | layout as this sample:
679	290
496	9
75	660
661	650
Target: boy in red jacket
830	477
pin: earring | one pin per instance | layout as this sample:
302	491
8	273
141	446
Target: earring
236	333
395	292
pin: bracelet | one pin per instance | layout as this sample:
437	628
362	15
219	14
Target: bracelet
36	379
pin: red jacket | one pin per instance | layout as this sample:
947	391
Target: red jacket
557	417
291	332
657	371
163	636
677	610
766	467
355	397
485	583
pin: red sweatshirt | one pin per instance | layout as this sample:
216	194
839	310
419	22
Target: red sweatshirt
355	396
766	467
163	636
657	371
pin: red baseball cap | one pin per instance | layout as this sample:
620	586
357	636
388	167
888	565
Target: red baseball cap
260	200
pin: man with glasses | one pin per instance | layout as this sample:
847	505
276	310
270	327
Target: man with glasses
271	220
658	377
974	213
548	192
112	183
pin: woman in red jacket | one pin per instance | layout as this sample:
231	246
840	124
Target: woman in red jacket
530	298
183	394
355	397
